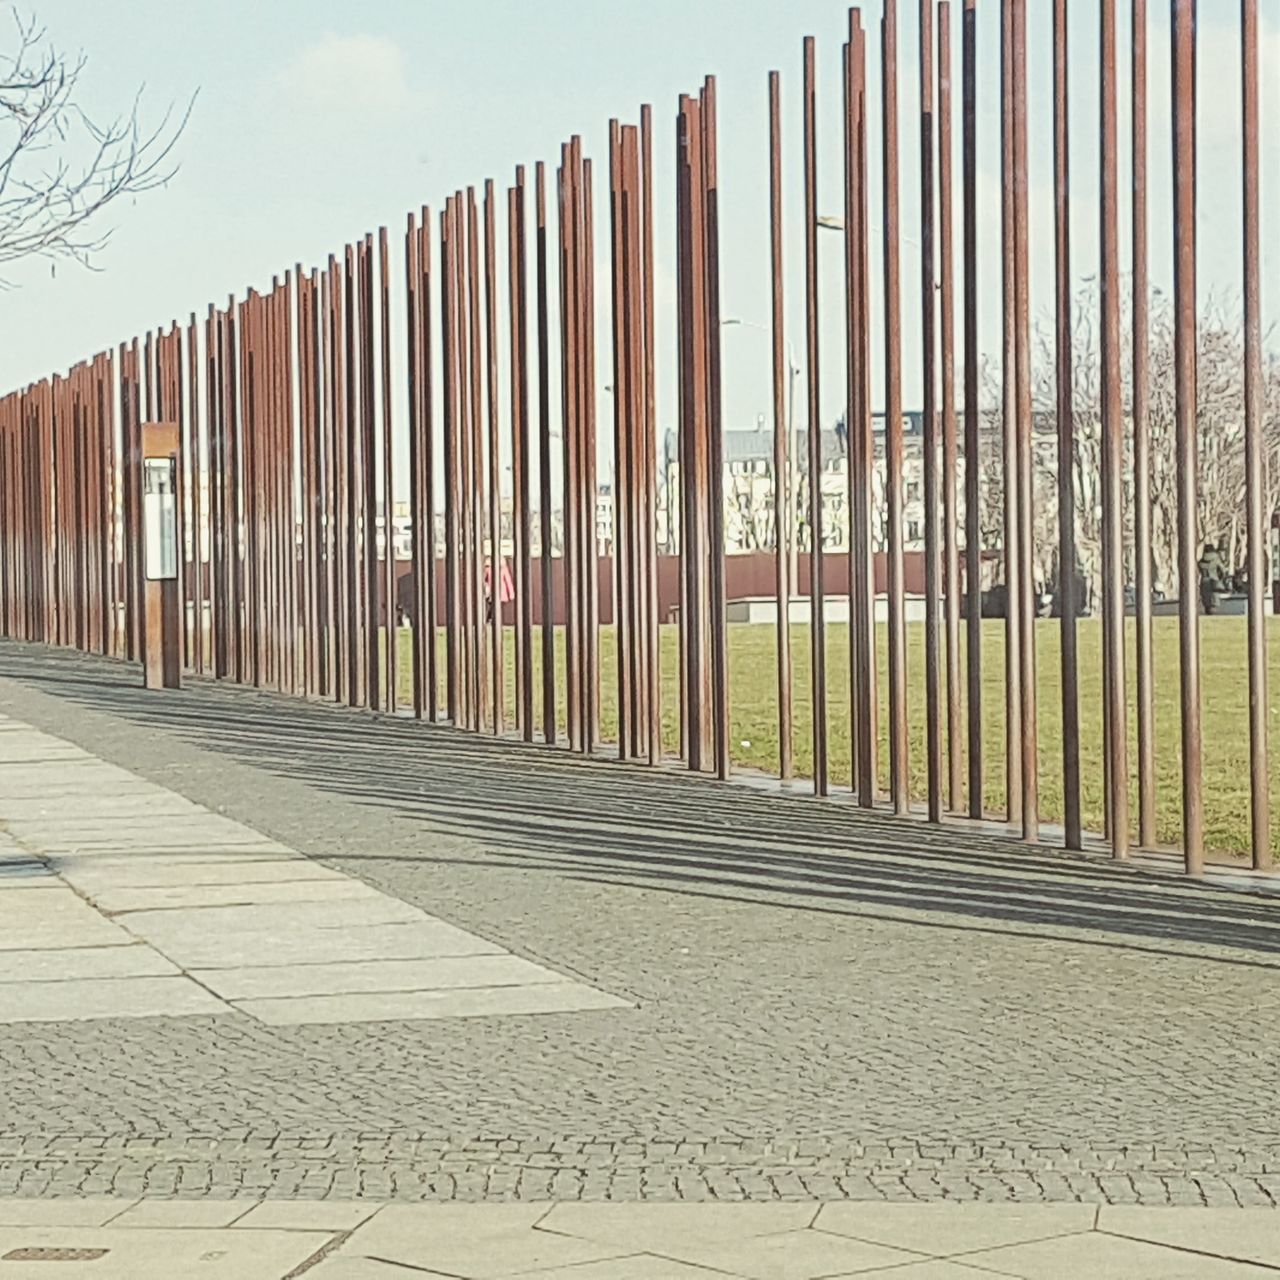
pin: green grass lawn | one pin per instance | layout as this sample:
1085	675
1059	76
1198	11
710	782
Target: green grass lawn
754	715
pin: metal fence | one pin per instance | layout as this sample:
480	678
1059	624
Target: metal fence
290	429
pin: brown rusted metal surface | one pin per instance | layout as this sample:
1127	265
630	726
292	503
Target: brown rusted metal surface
291	412
929	401
898	764
1185	336
817	611
1116	718
1255	465
1011	558
1065	379
783	497
950	446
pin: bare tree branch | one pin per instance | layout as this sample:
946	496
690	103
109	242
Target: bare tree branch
59	168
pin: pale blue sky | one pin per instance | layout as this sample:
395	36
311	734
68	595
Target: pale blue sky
320	119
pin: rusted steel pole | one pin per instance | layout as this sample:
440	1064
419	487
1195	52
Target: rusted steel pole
374	578
591	603
476	495
898	764
390	580
932	503
1113	454
1068	601
782	498
545	498
417	515
651	446
451	396
194	474
427	465
853	355
1185	338
1255	472
1142	506
496	560
1009	420
817	616
1027	731
624	624
520	439
868	675
950	451
570	384
715	432
356	669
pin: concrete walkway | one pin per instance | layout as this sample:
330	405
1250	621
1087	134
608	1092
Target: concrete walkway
334	1240
121	899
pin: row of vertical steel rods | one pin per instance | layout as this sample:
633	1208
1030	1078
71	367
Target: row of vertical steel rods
942	555
288	494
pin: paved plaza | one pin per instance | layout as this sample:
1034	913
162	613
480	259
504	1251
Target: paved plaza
293	976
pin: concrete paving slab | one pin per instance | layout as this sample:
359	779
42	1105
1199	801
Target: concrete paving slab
409	1006
636	1267
133	960
477	1246
943	1229
376	975
87	1212
183	1213
82	999
142	1254
337	1267
1101	1257
90	874
117	901
375	909
791	1255
308	1215
934	1269
1249	1235
264	947
647	1226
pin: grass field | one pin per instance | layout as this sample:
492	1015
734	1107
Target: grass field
754	715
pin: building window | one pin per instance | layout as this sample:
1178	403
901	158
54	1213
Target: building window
913	530
913	490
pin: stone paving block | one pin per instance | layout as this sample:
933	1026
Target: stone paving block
156	1254
945	1229
88	1212
197	944
935	1269
117	901
1249	1235
792	1255
133	960
375	975
176	871
1101	1257
307	1215
91	998
410	1006
637	1267
645	1227
182	1213
477	1245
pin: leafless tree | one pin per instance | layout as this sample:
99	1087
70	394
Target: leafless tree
60	168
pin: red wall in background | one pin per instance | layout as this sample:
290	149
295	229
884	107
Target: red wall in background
751	574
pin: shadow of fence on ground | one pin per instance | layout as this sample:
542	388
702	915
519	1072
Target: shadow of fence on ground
544	810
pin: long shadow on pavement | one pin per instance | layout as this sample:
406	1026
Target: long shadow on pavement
543	810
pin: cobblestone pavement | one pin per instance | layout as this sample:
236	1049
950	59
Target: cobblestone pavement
828	1004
